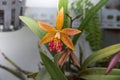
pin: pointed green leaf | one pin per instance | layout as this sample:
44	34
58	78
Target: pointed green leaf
98	71
43	75
88	17
101	77
99	74
32	24
94	33
52	68
98	55
56	57
64	4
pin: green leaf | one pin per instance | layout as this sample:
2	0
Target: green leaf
98	74
43	75
100	54
94	33
32	24
98	71
52	68
88	17
101	77
64	4
56	57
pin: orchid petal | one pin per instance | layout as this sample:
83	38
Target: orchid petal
47	38
46	27
63	58
60	19
70	31
75	60
112	63
67	41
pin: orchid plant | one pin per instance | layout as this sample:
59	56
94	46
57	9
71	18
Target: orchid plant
55	35
64	65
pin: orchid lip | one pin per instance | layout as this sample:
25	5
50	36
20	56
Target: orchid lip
55	45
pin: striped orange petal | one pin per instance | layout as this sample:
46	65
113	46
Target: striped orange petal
75	60
70	31
67	41
47	38
46	27
60	19
63	58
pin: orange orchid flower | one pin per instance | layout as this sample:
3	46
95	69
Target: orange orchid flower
56	34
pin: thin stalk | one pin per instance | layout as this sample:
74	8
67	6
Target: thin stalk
14	72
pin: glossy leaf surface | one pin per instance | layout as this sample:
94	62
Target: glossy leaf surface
52	68
33	25
99	74
100	54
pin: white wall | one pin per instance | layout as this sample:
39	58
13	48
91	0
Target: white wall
21	47
41	3
47	3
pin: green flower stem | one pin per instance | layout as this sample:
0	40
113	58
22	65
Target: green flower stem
71	20
14	72
10	61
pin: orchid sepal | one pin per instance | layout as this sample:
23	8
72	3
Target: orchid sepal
60	19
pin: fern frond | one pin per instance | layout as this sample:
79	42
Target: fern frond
93	30
94	33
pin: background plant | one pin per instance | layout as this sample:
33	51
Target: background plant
93	30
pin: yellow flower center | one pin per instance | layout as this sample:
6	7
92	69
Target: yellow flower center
57	35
